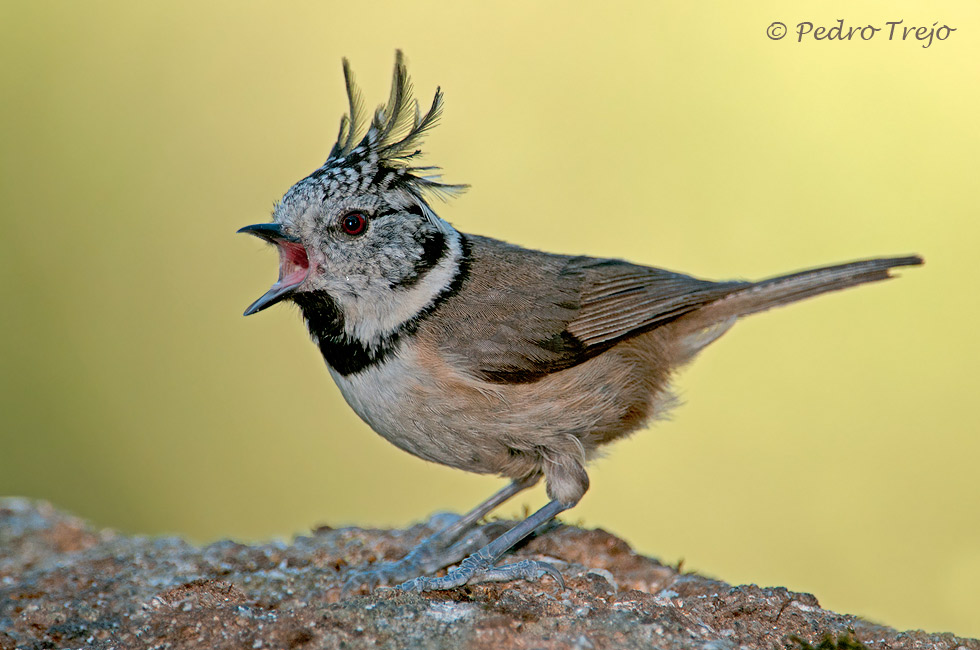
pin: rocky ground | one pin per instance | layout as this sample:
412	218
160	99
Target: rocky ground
65	585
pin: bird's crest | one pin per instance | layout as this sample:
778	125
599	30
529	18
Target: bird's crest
385	153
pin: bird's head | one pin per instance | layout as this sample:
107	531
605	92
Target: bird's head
358	230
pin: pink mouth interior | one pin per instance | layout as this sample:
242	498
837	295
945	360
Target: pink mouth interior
294	265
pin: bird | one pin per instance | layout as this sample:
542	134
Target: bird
482	355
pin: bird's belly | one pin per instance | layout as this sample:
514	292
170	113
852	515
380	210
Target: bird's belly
420	402
403	403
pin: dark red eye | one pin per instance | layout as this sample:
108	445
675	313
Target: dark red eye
353	223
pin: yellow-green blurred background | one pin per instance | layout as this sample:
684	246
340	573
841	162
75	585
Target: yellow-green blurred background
831	447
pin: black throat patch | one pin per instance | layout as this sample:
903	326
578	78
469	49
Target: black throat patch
344	353
348	355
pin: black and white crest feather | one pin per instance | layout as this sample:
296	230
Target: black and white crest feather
384	154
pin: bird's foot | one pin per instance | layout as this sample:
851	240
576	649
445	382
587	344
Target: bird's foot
381	574
479	568
429	556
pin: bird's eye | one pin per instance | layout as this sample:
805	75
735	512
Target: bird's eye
353	223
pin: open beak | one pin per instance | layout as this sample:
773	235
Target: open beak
294	265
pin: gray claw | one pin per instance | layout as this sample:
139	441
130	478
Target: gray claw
416	584
475	570
384	573
530	570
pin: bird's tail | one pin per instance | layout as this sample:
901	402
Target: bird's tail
704	325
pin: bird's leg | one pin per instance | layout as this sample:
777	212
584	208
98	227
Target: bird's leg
441	549
480	567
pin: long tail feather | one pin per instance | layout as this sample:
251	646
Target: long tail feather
782	290
785	289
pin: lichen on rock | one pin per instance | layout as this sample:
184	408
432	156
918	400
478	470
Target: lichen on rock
65	585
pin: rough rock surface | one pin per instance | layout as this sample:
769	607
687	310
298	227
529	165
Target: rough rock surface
65	585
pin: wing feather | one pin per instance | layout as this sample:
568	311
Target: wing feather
524	314
620	299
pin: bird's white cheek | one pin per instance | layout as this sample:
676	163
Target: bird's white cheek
373	309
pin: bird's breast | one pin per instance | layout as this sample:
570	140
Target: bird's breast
422	399
421	409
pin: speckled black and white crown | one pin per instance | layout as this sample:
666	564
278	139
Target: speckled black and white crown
382	158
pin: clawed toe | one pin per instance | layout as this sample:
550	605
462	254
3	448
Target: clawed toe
530	570
476	570
383	574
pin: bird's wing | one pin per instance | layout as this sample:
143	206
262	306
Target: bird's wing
619	299
524	314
